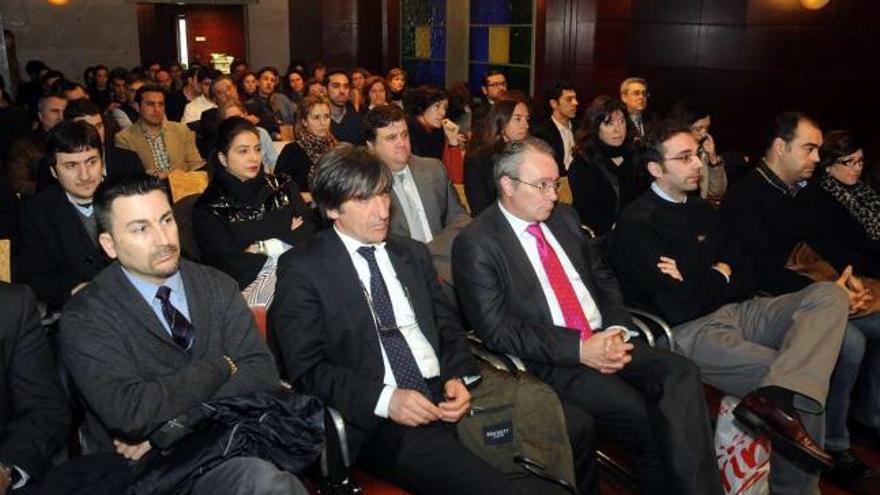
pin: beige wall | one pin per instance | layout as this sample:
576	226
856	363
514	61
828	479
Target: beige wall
88	32
75	36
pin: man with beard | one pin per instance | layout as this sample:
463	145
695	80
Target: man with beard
152	336
559	129
58	250
346	124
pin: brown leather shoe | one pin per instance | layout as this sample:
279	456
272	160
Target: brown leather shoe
786	432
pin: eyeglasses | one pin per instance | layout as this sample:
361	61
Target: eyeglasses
852	162
497	85
381	326
640	92
544	186
686	158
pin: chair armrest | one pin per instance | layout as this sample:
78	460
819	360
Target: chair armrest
645	330
339	425
499	361
650	319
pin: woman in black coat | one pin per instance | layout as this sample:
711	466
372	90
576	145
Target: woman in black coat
247	218
853	207
603	176
312	138
508	120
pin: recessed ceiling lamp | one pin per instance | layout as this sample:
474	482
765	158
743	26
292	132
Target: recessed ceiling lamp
814	4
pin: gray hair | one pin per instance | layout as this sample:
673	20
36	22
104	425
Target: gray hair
624	86
509	159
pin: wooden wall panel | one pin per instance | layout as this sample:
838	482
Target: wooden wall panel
222	26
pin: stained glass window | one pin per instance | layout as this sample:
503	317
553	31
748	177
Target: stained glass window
501	39
423	41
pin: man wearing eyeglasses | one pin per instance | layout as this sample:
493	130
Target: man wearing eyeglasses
674	256
361	322
634	93
533	285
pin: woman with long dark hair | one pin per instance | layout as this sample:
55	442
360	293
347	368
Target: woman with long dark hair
603	177
508	120
247	218
431	134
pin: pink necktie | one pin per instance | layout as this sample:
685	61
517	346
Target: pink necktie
562	288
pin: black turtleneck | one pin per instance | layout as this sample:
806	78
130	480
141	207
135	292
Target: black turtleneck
233	214
695	236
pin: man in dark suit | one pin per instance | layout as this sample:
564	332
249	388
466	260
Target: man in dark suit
153	336
531	284
117	161
361	322
33	409
58	251
559	129
425	206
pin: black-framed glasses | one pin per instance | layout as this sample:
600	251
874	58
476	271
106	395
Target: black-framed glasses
852	162
544	186
381	326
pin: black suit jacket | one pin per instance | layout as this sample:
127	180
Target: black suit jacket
33	409
322	329
550	133
55	252
501	296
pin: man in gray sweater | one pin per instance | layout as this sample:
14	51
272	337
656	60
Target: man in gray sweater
151	336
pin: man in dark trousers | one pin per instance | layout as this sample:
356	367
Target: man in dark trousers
674	255
34	417
152	336
361	322
531	284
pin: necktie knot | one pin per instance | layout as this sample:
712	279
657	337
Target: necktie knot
163	293
535	230
368	252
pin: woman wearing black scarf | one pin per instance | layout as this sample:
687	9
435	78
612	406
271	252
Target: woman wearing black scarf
247	218
603	177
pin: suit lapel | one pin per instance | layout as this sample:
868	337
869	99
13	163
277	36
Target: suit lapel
340	272
427	194
573	247
399	224
520	266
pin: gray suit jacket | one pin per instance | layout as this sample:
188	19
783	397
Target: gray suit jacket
446	215
133	378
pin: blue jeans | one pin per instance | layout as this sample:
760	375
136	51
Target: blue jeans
860	351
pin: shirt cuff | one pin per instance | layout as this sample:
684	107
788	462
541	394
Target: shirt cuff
275	247
23	478
726	278
384	401
627	333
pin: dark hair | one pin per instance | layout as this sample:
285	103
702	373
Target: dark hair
72	137
421	98
198	72
379	117
33	67
293	70
237	62
50	74
556	91
101	67
369	83
333	72
784	126
268	68
149	88
600	111
836	145
348	172
487	136
80	107
240	84
651	146
119	73
362	71
490	73
311	82
229	129
121	187
459	98
62	86
688	111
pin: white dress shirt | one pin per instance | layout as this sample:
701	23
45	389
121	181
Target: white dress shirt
404	314
530	245
567	141
405	184
192	112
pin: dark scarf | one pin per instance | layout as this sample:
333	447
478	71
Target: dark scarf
314	146
240	201
862	202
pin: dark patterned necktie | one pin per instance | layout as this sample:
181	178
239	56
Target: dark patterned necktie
400	356
182	331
